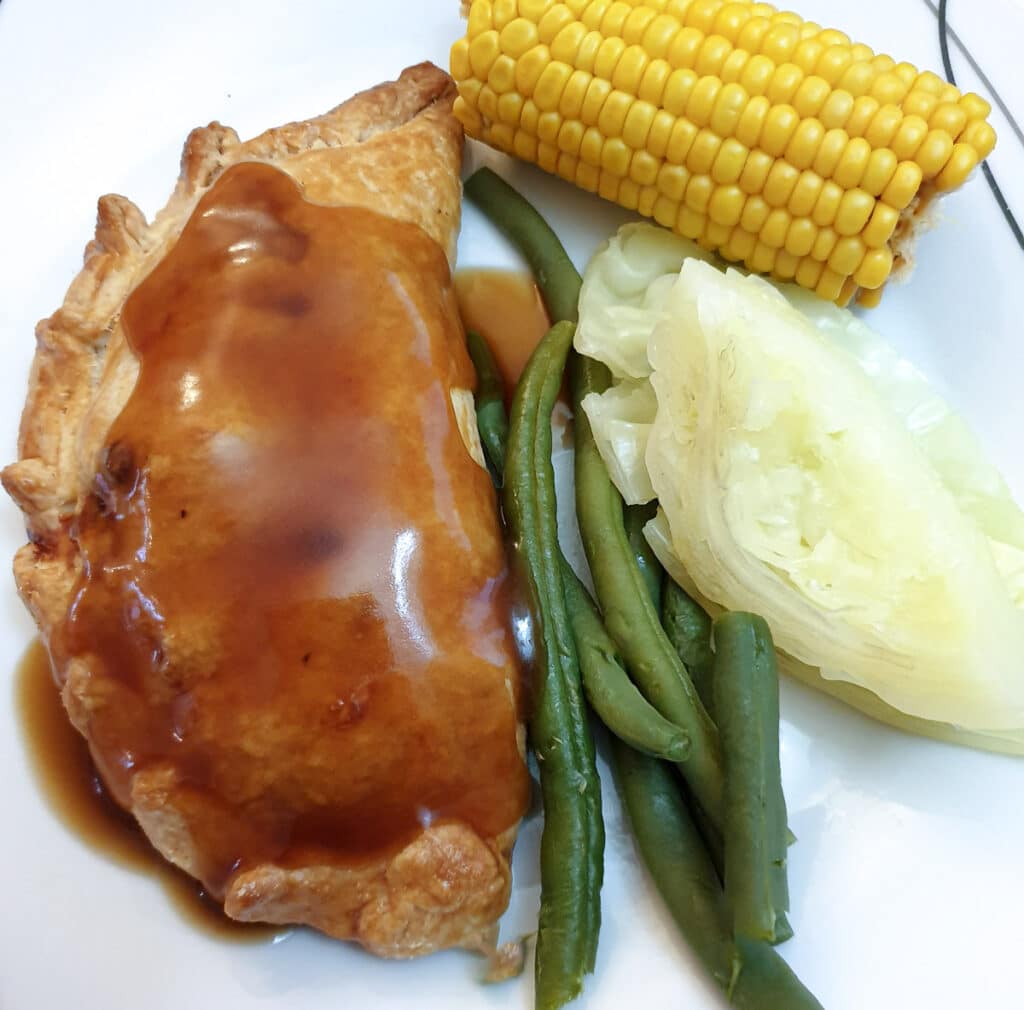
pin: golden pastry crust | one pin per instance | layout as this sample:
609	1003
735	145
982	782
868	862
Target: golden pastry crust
395	149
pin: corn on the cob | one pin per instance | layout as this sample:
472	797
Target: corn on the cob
780	144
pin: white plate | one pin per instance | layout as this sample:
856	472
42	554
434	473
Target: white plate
906	880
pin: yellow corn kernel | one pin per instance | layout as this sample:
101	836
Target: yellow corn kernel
785	265
880	169
861	53
502	136
702	152
883	126
811	96
614	19
961	163
730	19
870	299
803	146
903	186
629	194
781	181
726	205
906	72
830	150
615	156
684	133
773	231
586	55
779	126
637	127
846	292
666	211
857	78
566	167
712	55
517	38
701	13
613	113
779	43
889	89
702	100
981	137
467	115
643	169
587	177
807	54
548	92
593	12
577	7
784	83
824	243
594	98
524	146
591	145
609	52
547	156
752	120
729	162
672	180
682	53
570	106
528	68
930	83
908	138
636	24
733	67
698	193
933	154
565	46
855	208
864	111
458	59
919	103
881	226
487	103
974	106
829	284
875	268
847	255
548	125
755	172
755	213
689	223
827	205
740	245
659	35
800	237
652	84
757	75
608	185
481	18
534	10
950	117
530	115
833	63
714	235
503	11
808	273
836	111
483	51
852	163
762	259
729	105
630	70
678	88
510	108
502	76
570	136
752	34
805	194
661	130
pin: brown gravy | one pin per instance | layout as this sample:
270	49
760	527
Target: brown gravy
505	308
294	595
67	779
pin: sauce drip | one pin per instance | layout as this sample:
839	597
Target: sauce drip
505	308
64	772
294	596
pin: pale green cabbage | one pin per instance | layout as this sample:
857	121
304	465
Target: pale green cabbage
806	472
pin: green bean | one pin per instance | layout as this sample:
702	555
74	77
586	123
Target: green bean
629	613
689	630
752	975
556	277
746	688
491	418
572	842
636	517
612	695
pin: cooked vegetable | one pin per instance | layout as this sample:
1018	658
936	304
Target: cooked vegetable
572	843
859	515
689	630
753	976
636	517
491	417
778	143
746	690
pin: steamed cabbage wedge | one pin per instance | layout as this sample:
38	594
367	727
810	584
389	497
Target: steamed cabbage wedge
806	472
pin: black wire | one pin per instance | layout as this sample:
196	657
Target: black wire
947	66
